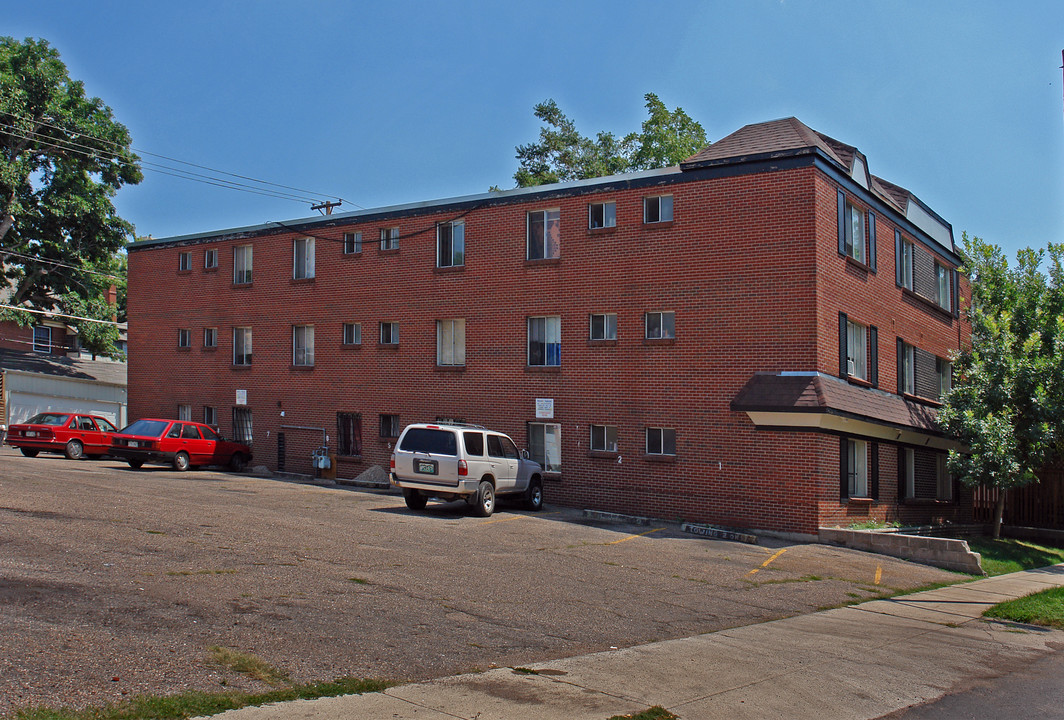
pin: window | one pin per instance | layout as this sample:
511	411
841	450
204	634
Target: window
450	244
348	433
661	441
210	337
906	368
924	475
545	445
856	362
184	338
184	261
602	215
905	271
184	412
853	232
657	209
210	415
544	234
660	325
474	443
604	438
210	259
303	345
389	333
450	342
242	425
352	243
303	258
42	339
545	341
943	296
390	238
856	468
604	326
241	346
944	370
352	333
390	426
242	264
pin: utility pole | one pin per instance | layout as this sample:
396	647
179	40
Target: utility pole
326	207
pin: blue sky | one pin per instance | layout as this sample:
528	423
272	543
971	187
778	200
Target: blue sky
387	103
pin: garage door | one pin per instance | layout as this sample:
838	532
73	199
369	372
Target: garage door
22	406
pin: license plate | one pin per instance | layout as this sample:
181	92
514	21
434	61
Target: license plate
425	467
134	443
31	433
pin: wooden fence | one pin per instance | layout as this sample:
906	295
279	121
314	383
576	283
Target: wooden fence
1039	505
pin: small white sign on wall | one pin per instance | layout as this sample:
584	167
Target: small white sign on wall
544	408
241	397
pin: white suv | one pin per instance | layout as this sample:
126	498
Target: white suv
467	462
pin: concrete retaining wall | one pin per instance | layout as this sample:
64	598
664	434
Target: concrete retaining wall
948	553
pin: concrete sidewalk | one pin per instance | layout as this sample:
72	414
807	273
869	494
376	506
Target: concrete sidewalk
858	662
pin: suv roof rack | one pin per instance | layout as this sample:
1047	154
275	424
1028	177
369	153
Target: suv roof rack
456	424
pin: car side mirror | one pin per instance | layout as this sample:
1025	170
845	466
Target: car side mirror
524	454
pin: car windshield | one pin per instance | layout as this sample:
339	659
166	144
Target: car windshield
428	440
49	419
146	428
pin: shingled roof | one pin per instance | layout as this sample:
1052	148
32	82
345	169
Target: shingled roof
776	137
104	371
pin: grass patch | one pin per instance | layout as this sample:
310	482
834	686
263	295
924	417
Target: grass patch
655	713
1007	556
359	581
525	671
193	704
873	525
1044	608
247	664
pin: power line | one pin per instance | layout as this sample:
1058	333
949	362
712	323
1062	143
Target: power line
52	313
59	264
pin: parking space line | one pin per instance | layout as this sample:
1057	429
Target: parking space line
765	564
633	537
879	573
517	517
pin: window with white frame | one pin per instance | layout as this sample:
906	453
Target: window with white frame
544	234
906	368
390	238
857	468
545	445
352	243
907	264
210	259
242	264
241	346
943	294
303	345
602	215
856	358
184	338
603	326
210	337
854	231
450	342
660	325
42	339
604	438
210	416
390	426
450	244
944	369
661	441
184	261
352	333
389	333
657	209
184	412
545	341
303	258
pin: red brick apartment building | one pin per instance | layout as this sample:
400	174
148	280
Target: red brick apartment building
757	338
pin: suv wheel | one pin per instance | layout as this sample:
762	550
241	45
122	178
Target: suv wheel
414	499
485	504
534	495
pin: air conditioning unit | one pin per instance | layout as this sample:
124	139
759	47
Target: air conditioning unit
851	367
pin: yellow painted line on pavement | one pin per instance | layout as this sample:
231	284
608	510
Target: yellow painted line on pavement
879	573
517	517
765	564
633	537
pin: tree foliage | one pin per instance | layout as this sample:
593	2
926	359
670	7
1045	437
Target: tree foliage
62	158
563	154
1007	404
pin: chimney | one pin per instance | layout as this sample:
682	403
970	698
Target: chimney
112	300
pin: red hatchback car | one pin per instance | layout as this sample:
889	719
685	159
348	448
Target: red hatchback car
180	443
73	434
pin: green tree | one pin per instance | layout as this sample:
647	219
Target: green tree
1007	404
62	158
563	154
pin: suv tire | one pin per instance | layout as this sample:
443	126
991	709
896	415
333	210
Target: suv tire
534	495
485	500
414	499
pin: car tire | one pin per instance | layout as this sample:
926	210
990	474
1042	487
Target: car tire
534	495
238	462
485	504
29	452
181	462
135	463
74	450
414	499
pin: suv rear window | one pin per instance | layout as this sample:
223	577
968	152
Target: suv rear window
427	440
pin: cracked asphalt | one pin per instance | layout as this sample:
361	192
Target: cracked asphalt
116	582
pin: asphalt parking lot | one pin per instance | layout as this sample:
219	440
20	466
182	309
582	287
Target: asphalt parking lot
116	582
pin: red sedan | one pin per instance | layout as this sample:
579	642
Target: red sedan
180	443
73	434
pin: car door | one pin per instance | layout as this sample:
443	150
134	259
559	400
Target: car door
200	451
90	435
503	457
